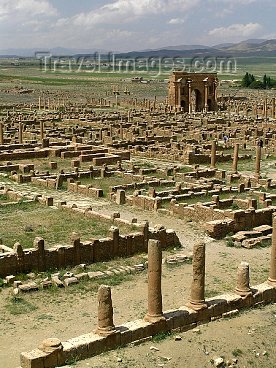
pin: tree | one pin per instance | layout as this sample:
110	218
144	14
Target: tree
256	84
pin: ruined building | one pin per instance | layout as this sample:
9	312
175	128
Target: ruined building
193	91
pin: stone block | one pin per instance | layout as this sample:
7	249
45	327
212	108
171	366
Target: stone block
70	281
32	359
136	330
176	318
217	307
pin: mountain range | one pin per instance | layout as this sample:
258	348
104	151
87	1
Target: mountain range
251	47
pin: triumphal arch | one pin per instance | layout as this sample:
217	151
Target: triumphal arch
193	91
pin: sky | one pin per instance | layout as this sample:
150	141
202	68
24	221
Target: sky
125	25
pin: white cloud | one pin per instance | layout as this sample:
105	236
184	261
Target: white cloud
176	21
235	31
234	2
125	11
25	8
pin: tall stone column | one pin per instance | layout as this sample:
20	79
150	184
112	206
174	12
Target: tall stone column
190	96
41	130
258	161
1	133
273	108
243	288
206	96
121	132
20	133
236	158
105	312
39	103
213	154
155	312
197	298
265	109
272	270
129	116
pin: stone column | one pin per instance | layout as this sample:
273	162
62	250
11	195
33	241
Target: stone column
206	96
121	132
105	312
54	350
1	133
273	108
197	299
190	97
272	270
243	288
41	130
213	154
178	94
20	133
258	161
155	312
39	103
265	109
236	158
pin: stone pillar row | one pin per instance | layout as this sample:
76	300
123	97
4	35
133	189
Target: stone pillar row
197	295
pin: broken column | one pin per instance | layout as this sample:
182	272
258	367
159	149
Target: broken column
155	312
105	312
197	299
243	288
272	270
53	348
213	154
235	158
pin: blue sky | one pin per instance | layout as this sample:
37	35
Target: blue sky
124	25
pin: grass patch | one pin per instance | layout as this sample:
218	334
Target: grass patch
229	242
160	336
23	222
18	305
237	352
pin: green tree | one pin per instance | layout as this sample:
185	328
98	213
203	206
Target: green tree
245	80
256	84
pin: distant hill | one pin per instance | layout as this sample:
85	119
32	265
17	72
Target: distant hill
251	47
180	47
262	48
56	51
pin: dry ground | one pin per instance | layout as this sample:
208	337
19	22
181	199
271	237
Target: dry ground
68	313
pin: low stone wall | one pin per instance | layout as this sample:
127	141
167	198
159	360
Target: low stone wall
97	250
178	320
86	190
239	220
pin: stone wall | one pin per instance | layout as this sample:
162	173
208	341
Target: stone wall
96	250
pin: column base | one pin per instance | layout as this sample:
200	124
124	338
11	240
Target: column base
154	318
243	293
197	306
105	331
